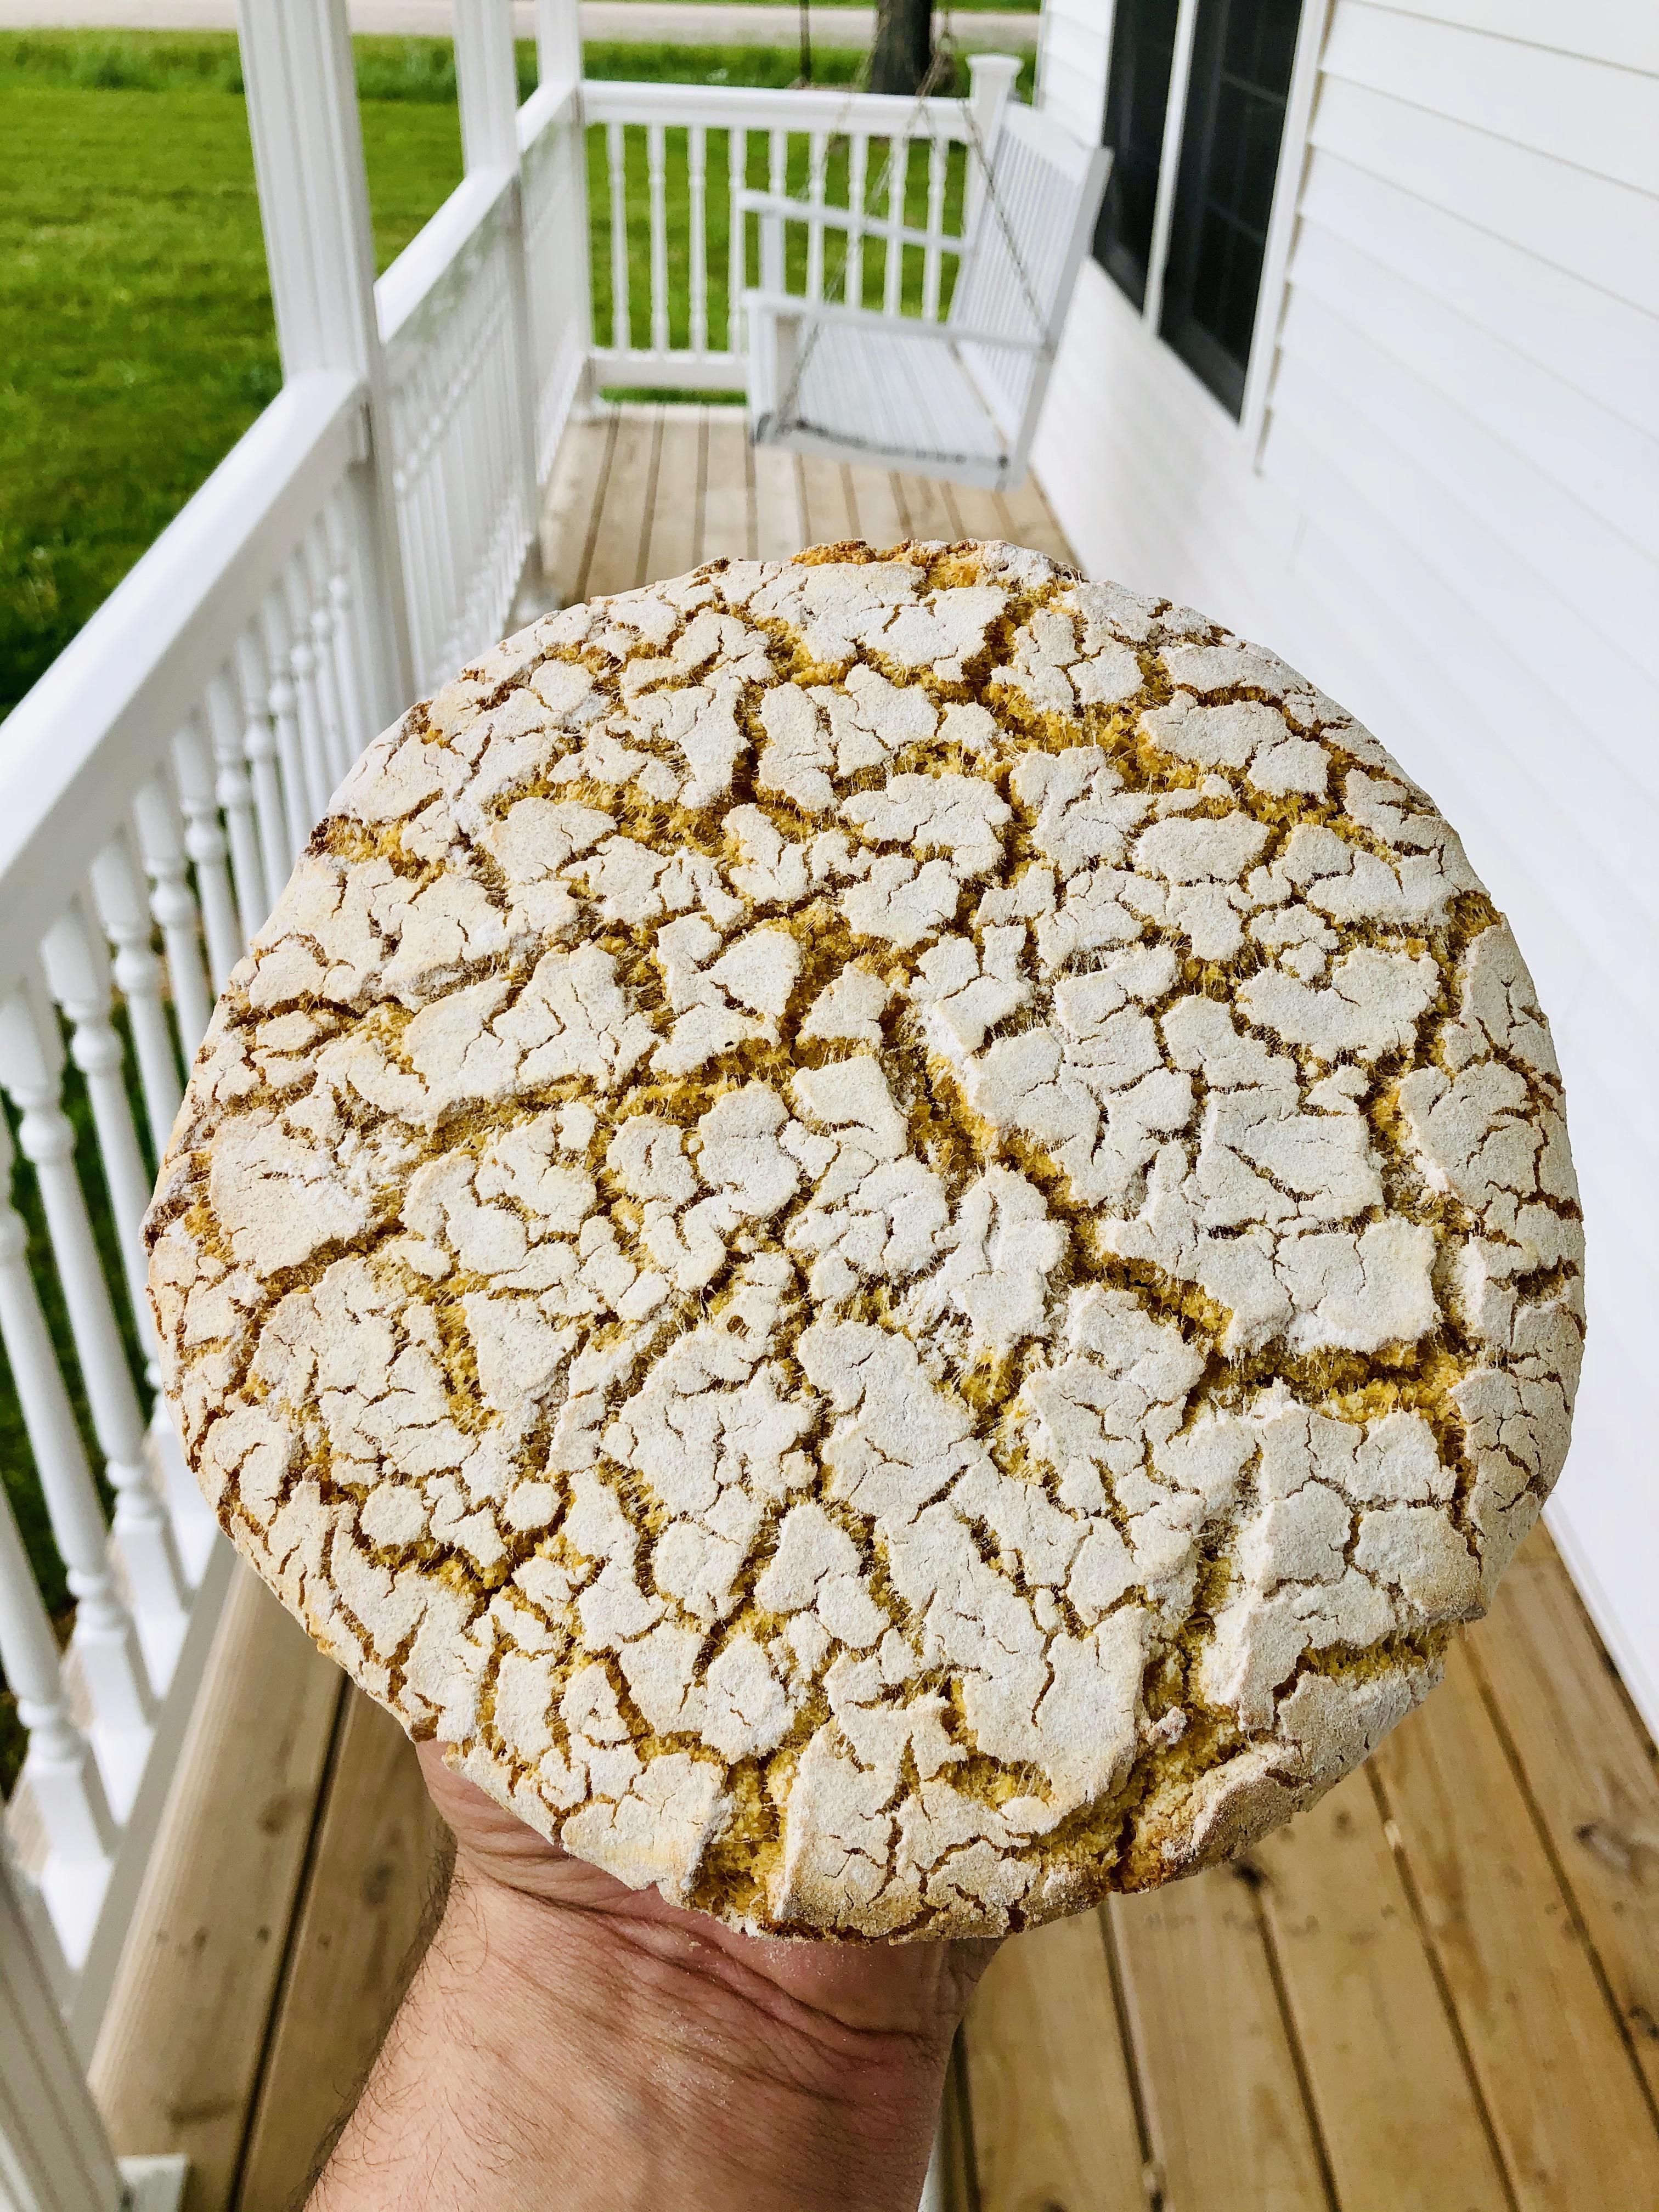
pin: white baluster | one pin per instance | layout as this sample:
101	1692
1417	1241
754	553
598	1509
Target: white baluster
773	260
696	160
205	843
737	258
282	706
302	666
898	158
857	162
264	770
59	1768
313	564
105	1638
357	715
232	790
173	902
31	1071
125	915
817	169
656	164
78	976
616	161
933	260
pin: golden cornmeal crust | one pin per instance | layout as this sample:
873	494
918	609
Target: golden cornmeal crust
895	1232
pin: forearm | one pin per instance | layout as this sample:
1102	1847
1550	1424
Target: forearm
546	2057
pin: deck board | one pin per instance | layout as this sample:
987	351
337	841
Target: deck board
1401	2117
371	1878
178	2064
1438	1992
1567	2101
1229	2123
1048	2083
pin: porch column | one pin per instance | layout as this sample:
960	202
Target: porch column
314	204
487	81
558	42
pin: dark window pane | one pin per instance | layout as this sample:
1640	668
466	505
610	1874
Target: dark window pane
1242	51
1137	92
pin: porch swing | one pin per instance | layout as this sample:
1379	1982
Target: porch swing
958	398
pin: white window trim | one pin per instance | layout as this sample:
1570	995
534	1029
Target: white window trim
1271	299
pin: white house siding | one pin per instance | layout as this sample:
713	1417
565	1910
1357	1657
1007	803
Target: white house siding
1450	519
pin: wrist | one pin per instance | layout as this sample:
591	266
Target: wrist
581	2057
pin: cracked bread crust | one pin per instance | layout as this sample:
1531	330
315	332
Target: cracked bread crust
893	1232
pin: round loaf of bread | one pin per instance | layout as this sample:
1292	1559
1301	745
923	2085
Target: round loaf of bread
893	1232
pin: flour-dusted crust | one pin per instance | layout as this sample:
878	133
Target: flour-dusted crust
895	1232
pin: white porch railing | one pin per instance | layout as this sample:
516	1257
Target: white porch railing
157	786
678	156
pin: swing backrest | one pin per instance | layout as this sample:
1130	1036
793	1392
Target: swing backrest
1048	190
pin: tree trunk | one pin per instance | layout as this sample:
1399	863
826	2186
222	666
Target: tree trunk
903	47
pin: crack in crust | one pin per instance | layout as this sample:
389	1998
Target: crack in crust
894	1231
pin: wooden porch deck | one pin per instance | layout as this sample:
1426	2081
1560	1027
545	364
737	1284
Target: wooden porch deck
1437	1992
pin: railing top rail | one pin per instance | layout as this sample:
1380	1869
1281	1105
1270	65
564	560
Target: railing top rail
743	107
405	287
73	751
545	106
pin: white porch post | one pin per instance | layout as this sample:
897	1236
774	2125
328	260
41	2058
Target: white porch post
487	82
313	203
991	79
558	42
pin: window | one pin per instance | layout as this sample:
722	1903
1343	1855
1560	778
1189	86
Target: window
1237	84
1137	94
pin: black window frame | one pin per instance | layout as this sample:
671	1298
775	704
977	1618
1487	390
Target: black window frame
1137	108
1210	225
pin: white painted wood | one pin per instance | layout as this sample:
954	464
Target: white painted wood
1596	570
955	398
1623	32
54	2154
80	979
208	847
1608	233
615	169
1168	169
558	42
1293	159
314	204
1073	55
125	915
656	171
1605	463
696	158
1582	113
1601	345
233	793
31	1073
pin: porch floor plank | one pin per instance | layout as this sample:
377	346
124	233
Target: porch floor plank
1402	2119
371	1878
1226	2115
178	2060
1567	2101
1437	1992
675	533
1589	1769
728	497
1048	2083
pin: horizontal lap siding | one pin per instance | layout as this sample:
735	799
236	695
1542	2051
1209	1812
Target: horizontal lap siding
1449	519
1072	87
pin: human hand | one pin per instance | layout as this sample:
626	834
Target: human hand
570	2042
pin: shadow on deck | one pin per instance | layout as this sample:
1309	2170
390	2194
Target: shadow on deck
1438	1992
